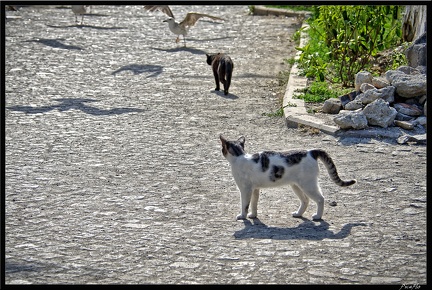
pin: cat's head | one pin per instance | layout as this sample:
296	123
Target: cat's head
210	57
232	148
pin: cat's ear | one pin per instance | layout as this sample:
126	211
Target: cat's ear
208	55
223	140
242	140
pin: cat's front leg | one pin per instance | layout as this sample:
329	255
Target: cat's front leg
245	197
216	77
304	201
254	204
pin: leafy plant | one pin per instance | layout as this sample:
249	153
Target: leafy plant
399	57
318	92
296	36
290	61
313	62
343	39
292	7
279	112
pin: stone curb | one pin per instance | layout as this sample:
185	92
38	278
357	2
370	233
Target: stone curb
294	109
262	10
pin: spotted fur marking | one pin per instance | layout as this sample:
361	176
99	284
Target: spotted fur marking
294	157
276	172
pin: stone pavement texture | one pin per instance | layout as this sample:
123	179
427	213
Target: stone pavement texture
114	172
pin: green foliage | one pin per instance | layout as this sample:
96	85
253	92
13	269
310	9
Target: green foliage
313	60
279	112
296	36
290	61
292	7
399	57
344	39
318	92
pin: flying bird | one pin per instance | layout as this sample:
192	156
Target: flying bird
79	10
162	8
10	8
181	28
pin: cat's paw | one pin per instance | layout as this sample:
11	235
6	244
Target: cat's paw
241	217
316	217
296	214
251	215
217	89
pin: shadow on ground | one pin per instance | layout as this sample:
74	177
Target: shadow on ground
181	48
55	43
307	230
153	70
74	103
86	26
221	94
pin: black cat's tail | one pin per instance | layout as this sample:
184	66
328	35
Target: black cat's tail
331	167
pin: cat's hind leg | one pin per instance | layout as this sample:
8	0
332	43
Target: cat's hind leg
304	201
313	191
254	204
245	197
221	73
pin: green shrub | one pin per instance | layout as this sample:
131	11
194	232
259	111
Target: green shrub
318	92
344	39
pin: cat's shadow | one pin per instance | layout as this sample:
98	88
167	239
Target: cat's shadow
66	104
221	94
308	230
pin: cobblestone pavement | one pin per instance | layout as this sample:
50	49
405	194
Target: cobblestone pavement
114	171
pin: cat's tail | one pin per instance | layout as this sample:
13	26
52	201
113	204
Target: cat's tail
331	167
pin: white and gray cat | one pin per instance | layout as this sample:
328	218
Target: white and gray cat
298	168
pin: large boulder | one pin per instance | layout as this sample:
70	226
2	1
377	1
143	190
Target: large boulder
379	113
361	78
407	109
416	53
354	105
407	86
332	106
351	120
379	82
371	95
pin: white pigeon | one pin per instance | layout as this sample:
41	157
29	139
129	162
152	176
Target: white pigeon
181	28
79	10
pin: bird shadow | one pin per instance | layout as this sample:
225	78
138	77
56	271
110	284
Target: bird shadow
77	25
153	70
55	43
221	94
209	39
182	48
308	230
74	103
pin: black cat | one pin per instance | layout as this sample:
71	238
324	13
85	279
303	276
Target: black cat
222	66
